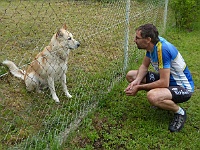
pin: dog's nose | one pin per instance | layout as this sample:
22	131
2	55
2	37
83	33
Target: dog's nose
78	44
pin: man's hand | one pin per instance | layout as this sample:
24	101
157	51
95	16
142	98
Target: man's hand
131	91
131	85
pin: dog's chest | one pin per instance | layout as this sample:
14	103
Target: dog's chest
57	68
52	64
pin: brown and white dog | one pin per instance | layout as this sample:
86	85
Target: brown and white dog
49	65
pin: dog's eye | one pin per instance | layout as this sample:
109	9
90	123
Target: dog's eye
69	38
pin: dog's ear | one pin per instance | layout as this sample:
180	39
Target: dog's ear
65	26
59	34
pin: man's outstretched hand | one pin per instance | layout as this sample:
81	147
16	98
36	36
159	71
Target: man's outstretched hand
131	90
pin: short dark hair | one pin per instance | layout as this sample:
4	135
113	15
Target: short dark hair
149	30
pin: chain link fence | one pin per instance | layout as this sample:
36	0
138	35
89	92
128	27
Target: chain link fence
105	29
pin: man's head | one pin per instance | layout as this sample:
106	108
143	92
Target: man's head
146	36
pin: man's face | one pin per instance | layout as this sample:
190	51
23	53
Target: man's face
142	43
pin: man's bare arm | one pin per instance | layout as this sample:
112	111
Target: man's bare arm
143	69
163	82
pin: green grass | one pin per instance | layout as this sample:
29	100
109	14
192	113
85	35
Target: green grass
122	122
29	120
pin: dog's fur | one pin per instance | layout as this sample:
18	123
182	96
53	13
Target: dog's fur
49	65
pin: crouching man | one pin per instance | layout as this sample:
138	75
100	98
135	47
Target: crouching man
170	84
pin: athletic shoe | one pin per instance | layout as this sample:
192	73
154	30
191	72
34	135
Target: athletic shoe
178	122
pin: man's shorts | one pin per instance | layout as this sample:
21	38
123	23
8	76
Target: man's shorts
179	94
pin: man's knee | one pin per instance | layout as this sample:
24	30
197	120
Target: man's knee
158	95
152	97
131	75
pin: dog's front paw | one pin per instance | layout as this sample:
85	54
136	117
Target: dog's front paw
68	95
56	99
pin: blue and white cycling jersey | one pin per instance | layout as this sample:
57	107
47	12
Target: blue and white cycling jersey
165	55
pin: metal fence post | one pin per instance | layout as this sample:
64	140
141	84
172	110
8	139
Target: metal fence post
126	42
165	15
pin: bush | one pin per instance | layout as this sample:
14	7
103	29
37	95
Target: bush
186	12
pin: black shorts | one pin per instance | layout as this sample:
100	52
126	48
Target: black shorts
179	94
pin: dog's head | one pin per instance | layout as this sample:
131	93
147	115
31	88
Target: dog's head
65	38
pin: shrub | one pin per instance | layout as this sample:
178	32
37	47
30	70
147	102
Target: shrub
186	11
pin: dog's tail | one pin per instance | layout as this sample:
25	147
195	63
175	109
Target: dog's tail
14	69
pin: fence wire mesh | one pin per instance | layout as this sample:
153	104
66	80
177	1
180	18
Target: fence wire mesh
105	30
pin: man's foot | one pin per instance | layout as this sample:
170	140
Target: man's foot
178	122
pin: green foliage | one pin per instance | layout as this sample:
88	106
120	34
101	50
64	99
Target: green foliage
186	12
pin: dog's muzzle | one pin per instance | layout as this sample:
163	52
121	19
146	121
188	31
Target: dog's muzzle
78	44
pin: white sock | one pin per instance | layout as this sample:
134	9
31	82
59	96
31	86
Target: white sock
180	111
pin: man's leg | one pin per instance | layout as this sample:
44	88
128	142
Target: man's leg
162	98
131	76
